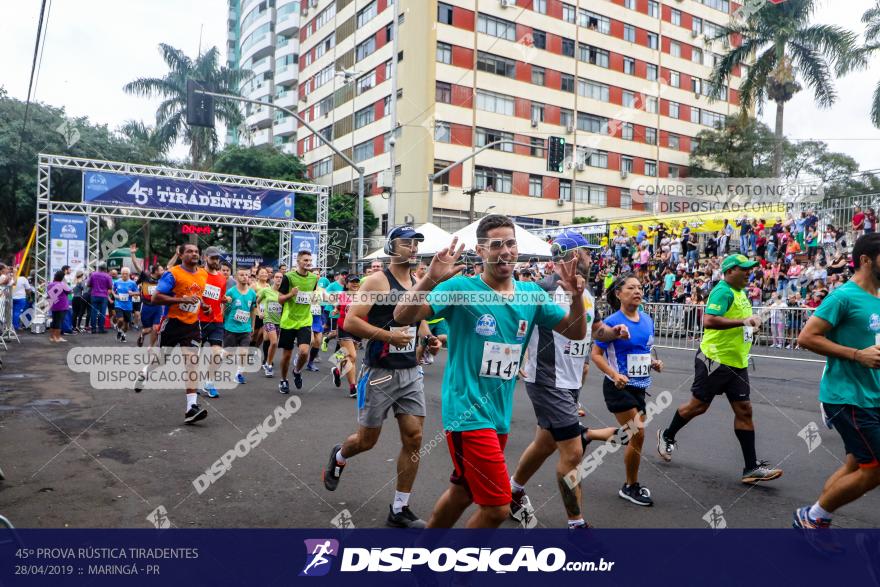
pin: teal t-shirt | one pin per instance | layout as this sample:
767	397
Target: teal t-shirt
486	339
668	282
854	316
237	317
334	287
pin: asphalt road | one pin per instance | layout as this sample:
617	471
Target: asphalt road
75	456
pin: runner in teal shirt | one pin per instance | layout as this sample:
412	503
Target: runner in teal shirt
238	315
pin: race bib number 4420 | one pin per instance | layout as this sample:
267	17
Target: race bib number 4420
638	365
500	361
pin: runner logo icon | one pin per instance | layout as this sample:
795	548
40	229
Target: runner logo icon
319	556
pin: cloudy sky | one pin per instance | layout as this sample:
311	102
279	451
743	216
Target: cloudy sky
94	47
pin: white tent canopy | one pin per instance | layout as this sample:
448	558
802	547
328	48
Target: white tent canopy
529	245
435	239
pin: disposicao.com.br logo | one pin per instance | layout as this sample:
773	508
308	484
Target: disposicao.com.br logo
441	560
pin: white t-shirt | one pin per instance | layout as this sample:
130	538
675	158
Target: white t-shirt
22	286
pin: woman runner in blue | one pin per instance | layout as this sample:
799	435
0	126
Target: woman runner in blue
627	365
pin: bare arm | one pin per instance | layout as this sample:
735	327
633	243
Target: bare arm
598	357
574	324
356	317
813	337
410	312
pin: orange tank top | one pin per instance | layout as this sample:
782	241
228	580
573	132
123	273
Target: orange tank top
187	284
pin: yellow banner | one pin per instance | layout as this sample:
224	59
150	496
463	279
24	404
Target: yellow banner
705	222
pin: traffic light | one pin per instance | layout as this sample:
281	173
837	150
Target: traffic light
556	154
199	107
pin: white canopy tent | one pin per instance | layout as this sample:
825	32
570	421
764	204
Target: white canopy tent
529	245
435	239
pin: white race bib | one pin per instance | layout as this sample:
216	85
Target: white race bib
135	297
316	310
212	292
579	348
877	338
151	290
241	316
303	297
500	361
410	346
122	297
189	308
638	365
274	308
748	333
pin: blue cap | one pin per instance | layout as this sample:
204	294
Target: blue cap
405	231
569	240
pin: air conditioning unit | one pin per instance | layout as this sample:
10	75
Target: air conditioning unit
534	123
409	219
314	3
624	174
581	166
305	11
569	129
697	95
444	188
508	3
560	203
694	33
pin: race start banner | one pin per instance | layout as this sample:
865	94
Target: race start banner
67	242
161	193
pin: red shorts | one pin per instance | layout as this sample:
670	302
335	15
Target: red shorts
478	458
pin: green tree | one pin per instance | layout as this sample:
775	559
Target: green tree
171	114
584	219
786	47
742	147
871	19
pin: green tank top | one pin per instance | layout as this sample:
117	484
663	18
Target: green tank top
729	347
270	306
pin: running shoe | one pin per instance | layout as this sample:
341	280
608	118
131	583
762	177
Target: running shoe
803	521
141	379
352	391
263	367
269	371
636	494
194	414
333	470
421	372
817	533
210	391
665	447
240	378
762	472
405	519
324	346
297	380
519	502
283	387
118	334
140	340
337	377
311	367
122	337
316	360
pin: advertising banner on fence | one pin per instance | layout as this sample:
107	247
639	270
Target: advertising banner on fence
67	242
161	193
305	241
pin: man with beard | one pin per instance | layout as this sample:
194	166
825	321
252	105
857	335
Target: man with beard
211	324
490	318
391	379
554	373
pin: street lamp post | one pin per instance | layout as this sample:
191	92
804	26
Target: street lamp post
433	176
360	170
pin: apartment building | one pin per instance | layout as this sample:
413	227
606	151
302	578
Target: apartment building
624	82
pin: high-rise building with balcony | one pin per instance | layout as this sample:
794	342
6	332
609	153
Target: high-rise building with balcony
624	82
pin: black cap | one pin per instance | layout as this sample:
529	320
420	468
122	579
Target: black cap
405	231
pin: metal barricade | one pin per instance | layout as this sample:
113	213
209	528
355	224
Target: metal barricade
680	326
7	329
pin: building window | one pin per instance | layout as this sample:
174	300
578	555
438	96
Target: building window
327	132
366	82
538	75
322	167
627	131
566	118
537	148
712	119
536	186
440	166
592	123
443	93
653	41
674	171
695	115
363	151
497	65
591	194
697	25
674	142
651	73
496	27
567	83
442	133
497	103
651	136
629	33
325	106
631	4
597	159
496	180
675	49
674	79
675	17
629	65
626	164
444	13
444	53
674	110
593	90
653	9
651	104
565	190
539	6
568	47
364	117
537	112
568	13
486	136
366	48
626	201
595	22
628	99
697	55
386	105
539	39
594	55
651	168
367	14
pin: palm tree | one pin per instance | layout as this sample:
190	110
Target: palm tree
785	47
871	18
144	140
171	114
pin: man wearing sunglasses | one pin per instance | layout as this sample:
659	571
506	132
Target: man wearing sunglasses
490	317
